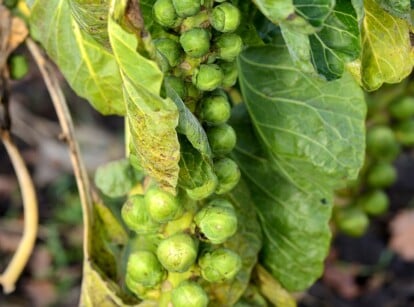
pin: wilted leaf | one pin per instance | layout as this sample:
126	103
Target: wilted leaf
398	8
189	125
387	55
92	18
152	120
90	69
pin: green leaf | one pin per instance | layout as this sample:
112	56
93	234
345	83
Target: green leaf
188	124
117	178
92	18
152	120
299	47
90	69
338	42
276	10
196	175
294	218
305	124
314	11
387	55
247	242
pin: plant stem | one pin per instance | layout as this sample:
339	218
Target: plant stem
21	256
68	135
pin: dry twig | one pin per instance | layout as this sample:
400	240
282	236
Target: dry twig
21	256
68	135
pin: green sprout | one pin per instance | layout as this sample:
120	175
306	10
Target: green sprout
374	202
217	221
169	53
186	8
219	265
214	110
136	217
225	17
196	42
228	46
164	13
189	294
162	206
222	139
144	268
178	252
228	174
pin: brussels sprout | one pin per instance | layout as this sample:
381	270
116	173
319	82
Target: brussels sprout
214	110
382	144
219	265
205	190
195	42
217	221
136	217
225	17
228	46
189	294
228	174
208	77
230	73
18	66
169	53
162	206
374	202
222	139
352	221
144	268
404	133
403	108
178	85
381	175
186	8
178	252
165	14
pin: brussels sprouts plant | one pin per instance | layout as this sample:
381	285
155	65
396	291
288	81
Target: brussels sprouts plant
243	118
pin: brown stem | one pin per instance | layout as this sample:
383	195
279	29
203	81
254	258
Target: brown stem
51	79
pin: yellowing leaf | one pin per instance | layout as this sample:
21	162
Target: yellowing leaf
387	55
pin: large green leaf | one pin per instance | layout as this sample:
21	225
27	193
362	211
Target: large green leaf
305	123
247	242
294	218
152	120
90	69
387	55
92	17
338	42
